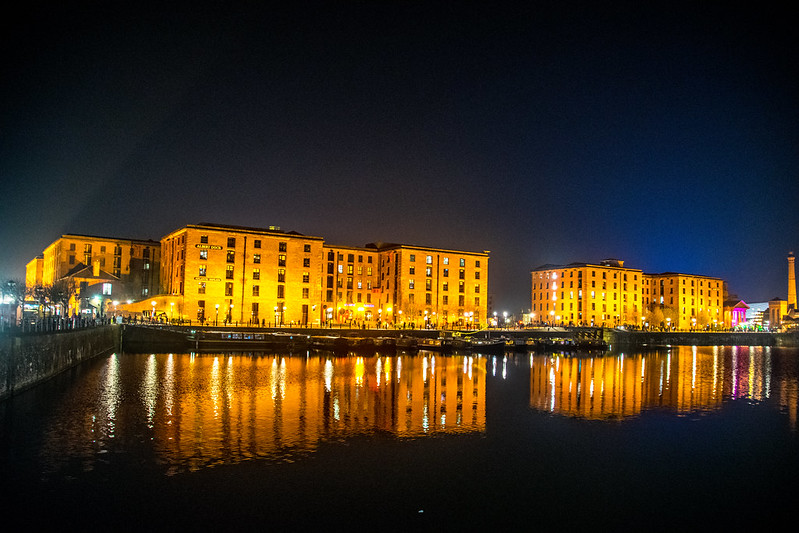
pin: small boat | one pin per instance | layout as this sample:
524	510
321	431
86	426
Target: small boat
516	344
488	345
386	345
438	344
407	344
329	342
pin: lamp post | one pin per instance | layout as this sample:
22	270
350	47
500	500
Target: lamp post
668	324
216	319
171	311
152	316
230	315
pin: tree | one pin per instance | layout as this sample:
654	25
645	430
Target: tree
61	293
14	290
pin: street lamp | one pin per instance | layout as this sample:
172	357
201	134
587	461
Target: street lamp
171	311
216	319
152	317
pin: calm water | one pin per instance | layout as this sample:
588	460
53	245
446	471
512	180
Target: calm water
687	438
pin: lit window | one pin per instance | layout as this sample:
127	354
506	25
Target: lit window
106	288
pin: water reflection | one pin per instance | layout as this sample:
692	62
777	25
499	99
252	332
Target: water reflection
685	379
196	411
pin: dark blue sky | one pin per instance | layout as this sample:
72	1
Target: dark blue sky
662	133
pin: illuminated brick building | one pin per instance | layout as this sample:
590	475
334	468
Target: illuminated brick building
611	294
267	276
684	300
245	275
351	286
109	267
588	294
431	286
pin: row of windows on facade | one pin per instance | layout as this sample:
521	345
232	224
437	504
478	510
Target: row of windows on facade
256	290
87	260
544	296
282	246
562	285
428	298
87	249
255	274
546	307
256	258
255	307
554	275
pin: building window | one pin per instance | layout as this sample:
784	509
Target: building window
256	258
477	290
460	286
476	275
413	258
305	293
256	273
477	263
281	275
428	284
204	239
256	290
428	271
306	248
204	254
106	289
201	288
429	259
445	300
412	271
281	260
228	289
445	286
229	272
461	274
71	259
446	260
428	298
231	256
461	300
281	291
446	273
462	262
281	247
306	277
202	270
306	262
349	270
231	242
410	284
256	243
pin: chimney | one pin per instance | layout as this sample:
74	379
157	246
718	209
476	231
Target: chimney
791	281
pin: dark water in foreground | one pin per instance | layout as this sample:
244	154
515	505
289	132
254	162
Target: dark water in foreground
688	439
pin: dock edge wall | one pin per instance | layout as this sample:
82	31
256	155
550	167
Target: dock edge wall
27	360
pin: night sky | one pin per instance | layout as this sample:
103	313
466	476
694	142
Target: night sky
662	133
